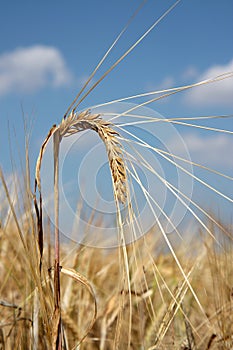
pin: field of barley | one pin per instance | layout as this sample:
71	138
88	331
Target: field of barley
165	313
116	233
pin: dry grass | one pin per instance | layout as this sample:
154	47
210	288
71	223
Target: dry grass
157	289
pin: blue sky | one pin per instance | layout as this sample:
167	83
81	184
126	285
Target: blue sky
48	49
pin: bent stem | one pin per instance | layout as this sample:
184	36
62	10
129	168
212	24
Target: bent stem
57	311
73	124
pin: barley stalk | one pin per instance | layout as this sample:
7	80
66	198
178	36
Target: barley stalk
73	124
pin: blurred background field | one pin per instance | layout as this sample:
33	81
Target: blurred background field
164	311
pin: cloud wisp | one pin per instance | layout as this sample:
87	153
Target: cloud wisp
215	94
32	68
213	150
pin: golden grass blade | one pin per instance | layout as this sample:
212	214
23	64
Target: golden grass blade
39	159
147	120
168	92
12	209
189	331
203	127
168	316
57	333
183	88
83	280
38	207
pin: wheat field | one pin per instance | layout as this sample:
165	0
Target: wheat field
155	272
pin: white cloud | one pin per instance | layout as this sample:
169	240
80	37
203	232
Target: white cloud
32	68
215	94
210	151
